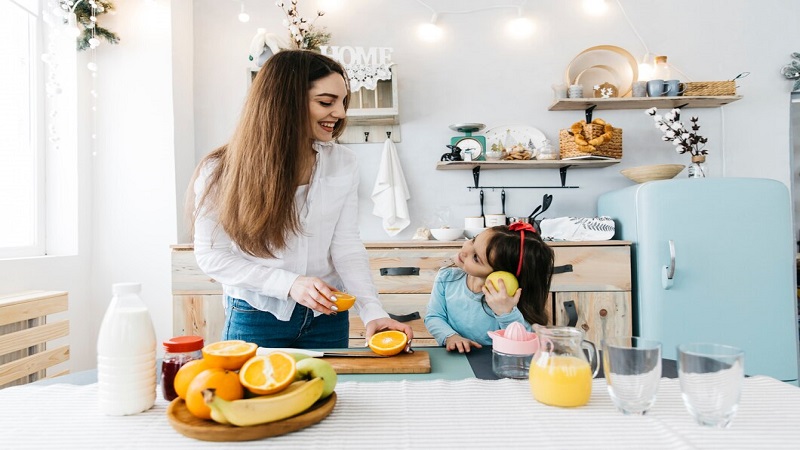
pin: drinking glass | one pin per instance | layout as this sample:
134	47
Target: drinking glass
633	369
711	377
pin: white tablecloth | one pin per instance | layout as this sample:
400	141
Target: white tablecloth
421	415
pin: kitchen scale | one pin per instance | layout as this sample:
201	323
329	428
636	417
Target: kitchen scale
473	148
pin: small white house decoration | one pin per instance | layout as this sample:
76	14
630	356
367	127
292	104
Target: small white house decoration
373	84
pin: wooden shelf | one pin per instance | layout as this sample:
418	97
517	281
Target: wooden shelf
531	164
581	104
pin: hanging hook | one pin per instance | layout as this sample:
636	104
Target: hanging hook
366	136
589	113
388	135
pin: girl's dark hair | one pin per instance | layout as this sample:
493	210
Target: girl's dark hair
537	268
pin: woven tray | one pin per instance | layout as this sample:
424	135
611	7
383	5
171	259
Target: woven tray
710	88
610	149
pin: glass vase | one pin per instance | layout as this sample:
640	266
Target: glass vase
698	167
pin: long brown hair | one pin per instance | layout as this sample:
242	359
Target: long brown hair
537	268
252	186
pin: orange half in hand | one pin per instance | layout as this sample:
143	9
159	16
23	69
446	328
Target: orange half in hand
388	343
229	355
344	301
268	374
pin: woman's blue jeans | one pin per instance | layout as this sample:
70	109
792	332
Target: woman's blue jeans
303	330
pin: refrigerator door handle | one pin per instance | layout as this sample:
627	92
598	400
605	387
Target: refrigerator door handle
668	272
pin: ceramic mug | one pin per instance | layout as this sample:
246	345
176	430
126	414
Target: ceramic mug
576	91
472	223
674	88
639	89
493	220
657	88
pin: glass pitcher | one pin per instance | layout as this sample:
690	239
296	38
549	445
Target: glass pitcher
560	373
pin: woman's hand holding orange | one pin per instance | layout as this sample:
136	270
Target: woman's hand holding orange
314	293
386	323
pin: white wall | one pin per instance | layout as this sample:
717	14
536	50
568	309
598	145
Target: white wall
148	121
477	74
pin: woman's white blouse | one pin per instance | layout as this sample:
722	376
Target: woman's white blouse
329	248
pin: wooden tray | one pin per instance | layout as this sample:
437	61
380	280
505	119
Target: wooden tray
206	430
417	362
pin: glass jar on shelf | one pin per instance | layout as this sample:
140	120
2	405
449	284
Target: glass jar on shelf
547	151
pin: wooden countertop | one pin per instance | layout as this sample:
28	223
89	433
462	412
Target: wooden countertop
453	244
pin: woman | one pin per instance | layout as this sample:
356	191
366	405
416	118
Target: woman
276	209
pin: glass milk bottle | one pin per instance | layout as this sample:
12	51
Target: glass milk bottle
126	354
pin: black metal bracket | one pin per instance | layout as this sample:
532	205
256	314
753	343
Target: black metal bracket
476	178
572	313
588	113
398	271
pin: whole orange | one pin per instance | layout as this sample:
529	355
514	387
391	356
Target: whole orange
225	382
186	374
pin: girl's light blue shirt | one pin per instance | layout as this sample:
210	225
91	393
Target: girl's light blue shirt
453	308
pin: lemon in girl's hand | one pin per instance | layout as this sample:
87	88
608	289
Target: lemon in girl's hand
508	278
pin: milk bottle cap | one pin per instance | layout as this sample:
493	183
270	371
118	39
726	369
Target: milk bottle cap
126	288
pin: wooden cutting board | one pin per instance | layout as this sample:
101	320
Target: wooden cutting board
417	362
206	430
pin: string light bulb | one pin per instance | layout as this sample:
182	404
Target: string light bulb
520	27
595	7
646	67
430	31
243	16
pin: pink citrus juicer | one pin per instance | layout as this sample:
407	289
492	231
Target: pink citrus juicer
514	340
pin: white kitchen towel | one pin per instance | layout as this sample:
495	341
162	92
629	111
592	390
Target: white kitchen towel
577	228
391	192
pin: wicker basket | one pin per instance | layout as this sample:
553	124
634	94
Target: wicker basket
710	88
610	149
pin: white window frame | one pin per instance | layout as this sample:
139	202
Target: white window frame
36	136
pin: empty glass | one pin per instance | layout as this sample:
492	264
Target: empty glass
633	369
711	377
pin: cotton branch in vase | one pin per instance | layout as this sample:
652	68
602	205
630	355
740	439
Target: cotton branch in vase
302	32
685	141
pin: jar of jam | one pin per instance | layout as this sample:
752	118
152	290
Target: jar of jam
179	350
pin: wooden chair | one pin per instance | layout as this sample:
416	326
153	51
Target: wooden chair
25	332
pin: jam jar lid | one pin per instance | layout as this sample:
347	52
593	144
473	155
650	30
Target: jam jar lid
181	344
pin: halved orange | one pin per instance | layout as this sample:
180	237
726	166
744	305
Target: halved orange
388	343
344	301
268	374
229	355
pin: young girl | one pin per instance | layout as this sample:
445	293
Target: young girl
463	307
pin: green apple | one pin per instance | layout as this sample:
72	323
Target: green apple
299	356
508	278
310	368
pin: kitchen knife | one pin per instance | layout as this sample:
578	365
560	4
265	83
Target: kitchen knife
317	354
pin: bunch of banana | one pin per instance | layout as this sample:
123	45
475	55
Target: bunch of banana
293	400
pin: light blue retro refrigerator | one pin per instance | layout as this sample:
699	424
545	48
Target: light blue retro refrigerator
713	261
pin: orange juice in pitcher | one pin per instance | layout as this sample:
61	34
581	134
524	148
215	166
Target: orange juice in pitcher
560	374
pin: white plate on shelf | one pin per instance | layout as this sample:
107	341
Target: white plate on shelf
617	58
514	134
